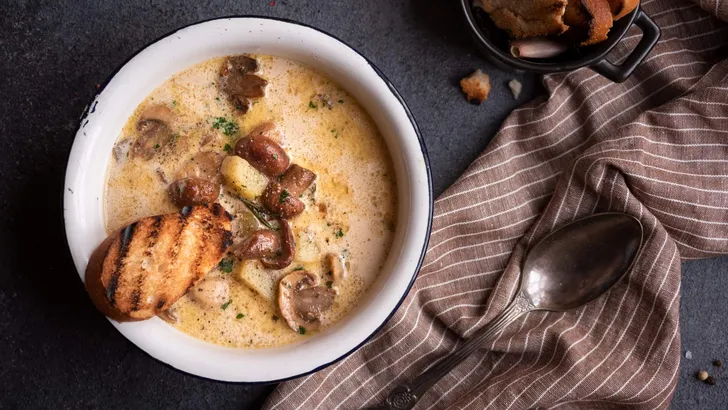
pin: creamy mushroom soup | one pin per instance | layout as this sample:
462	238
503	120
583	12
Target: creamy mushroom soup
299	165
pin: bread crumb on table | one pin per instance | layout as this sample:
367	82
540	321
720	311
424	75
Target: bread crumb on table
476	86
516	88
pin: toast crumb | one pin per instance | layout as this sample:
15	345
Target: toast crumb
476	87
515	87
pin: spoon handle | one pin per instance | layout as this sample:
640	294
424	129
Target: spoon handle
406	396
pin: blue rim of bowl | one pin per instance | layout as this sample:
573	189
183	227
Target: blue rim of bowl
92	106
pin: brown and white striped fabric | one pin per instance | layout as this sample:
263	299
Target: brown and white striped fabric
655	147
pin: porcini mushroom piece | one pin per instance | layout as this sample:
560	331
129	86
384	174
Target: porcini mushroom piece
260	244
287	251
297	179
282	197
239	84
268	129
153	136
302	301
159	112
279	201
193	191
262	152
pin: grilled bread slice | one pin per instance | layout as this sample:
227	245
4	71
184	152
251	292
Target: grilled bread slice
144	268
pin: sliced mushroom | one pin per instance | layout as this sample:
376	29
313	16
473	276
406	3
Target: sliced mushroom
242	64
302	300
336	267
245	86
279	201
170	316
260	244
153	136
159	112
237	81
263	153
213	292
193	191
287	251
204	165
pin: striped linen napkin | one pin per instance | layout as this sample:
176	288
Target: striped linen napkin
655	147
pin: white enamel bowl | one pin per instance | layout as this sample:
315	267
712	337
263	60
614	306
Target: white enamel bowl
84	190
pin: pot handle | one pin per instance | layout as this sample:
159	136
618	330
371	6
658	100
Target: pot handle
650	35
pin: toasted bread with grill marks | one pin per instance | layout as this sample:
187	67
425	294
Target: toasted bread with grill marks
144	268
527	18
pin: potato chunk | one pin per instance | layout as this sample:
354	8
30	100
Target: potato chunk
262	281
242	178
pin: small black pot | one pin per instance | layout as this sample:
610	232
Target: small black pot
493	43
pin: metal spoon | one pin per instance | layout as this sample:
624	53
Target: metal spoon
569	268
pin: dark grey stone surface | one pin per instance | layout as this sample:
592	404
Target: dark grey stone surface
55	350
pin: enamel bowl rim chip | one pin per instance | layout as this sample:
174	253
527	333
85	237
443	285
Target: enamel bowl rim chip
149	68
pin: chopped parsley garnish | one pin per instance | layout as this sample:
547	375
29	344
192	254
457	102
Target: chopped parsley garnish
174	103
275	156
335	133
301	330
226	304
283	196
312	105
175	137
329	284
298	268
226	265
239	316
227	148
217	98
228	127
157	146
339	233
341	101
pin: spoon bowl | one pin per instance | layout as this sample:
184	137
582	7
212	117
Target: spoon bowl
572	266
581	261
